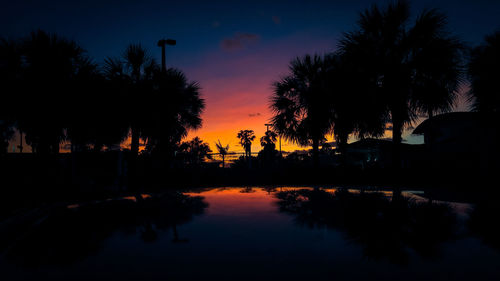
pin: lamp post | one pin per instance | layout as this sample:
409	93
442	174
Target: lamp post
162	44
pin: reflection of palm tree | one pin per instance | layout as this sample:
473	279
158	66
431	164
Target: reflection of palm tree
384	228
71	235
300	102
415	69
484	70
223	150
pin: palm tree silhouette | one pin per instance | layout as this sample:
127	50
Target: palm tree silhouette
10	70
416	69
223	150
302	108
246	138
269	139
484	70
136	60
175	107
50	69
355	109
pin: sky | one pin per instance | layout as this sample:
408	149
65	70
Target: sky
234	49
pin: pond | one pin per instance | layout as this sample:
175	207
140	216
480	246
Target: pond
284	233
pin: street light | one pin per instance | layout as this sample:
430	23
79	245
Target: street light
162	44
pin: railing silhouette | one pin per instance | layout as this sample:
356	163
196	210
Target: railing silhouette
231	157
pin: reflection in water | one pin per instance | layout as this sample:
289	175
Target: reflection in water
385	228
78	231
272	233
483	222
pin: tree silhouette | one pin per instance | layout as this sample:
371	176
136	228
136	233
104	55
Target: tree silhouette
269	139
355	108
302	108
176	108
223	150
132	75
268	142
246	138
484	71
416	69
195	151
10	71
51	67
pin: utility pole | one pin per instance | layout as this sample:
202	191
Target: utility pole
162	44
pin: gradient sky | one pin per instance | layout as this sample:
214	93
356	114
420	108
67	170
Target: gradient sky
234	49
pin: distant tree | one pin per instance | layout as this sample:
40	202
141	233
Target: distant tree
484	75
269	139
223	150
195	151
246	138
303	111
268	153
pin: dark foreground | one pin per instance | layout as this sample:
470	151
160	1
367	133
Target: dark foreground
254	233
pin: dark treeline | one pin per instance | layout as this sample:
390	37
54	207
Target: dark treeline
388	70
387	73
54	92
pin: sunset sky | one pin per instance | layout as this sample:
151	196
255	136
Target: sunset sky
234	49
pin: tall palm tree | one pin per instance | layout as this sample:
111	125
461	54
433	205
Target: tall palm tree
132	75
136	59
437	63
246	138
356	110
223	150
98	120
10	72
484	74
175	108
302	107
51	65
415	69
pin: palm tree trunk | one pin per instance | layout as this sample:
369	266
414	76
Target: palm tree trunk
223	161
315	152
134	146
397	130
250	157
342	145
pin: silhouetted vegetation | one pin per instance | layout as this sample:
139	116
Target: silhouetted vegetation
71	234
383	227
387	72
484	70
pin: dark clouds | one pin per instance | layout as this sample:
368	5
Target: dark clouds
239	41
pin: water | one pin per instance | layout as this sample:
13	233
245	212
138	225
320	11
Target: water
254	233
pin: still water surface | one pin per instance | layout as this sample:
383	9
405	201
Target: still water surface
254	233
